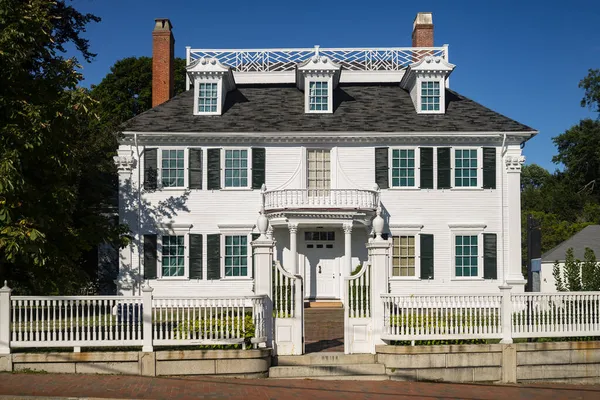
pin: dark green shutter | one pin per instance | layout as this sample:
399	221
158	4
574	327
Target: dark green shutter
490	256
426	167
195	168
258	167
444	175
254	237
426	256
213	256
195	256
150	257
214	169
381	167
150	169
489	168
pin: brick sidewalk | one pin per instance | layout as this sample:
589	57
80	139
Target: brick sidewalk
135	387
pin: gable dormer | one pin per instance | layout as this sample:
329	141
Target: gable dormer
212	80
426	82
318	77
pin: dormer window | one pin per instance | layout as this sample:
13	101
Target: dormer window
318	96
318	76
426	82
208	96
212	80
430	96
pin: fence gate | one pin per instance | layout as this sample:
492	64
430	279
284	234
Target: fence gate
358	321
288	312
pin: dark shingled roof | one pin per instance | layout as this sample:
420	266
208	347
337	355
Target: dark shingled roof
357	108
587	237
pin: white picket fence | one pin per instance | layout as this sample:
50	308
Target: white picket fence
95	321
491	316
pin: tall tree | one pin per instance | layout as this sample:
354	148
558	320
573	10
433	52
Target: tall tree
127	90
51	204
591	86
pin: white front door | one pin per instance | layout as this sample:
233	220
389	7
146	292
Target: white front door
322	265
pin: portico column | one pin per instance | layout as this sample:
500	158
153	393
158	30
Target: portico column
293	227
347	226
513	162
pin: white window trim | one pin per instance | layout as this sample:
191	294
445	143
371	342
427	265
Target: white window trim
479	185
249	167
308	80
185	168
406	230
186	254
442	83
467	230
211	79
417	185
236	231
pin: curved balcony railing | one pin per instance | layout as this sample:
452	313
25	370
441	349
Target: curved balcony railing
320	198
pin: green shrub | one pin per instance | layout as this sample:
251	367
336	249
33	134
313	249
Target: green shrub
226	323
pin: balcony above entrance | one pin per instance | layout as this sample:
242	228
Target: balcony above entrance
320	199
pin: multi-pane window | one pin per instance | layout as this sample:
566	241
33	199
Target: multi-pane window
430	96
318	96
236	168
403	256
207	97
403	167
173	256
319	171
236	255
173	168
466	255
465	168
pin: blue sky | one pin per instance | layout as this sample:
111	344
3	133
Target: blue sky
523	59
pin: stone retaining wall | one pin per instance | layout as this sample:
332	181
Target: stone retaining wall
229	363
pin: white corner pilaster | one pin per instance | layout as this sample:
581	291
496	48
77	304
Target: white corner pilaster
513	162
5	319
293	227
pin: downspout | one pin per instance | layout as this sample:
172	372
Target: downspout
503	150
139	215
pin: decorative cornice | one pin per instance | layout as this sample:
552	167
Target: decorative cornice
473	225
514	163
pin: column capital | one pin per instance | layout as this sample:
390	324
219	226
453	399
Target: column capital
347	226
125	161
514	163
293	227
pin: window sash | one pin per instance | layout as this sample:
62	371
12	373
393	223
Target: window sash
318	170
430	96
466	255
403	168
173	168
403	256
465	168
208	96
236	168
173	256
236	255
318	96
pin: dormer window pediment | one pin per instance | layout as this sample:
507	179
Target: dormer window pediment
318	76
212	80
426	82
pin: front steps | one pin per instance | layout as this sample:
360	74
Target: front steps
323	329
328	366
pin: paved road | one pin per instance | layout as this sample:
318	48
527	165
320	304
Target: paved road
134	387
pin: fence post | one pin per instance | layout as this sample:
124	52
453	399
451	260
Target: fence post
379	259
262	250
506	314
147	317
5	319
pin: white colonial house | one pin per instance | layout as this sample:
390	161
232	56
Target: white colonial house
319	141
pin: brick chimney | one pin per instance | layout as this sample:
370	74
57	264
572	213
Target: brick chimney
163	78
422	35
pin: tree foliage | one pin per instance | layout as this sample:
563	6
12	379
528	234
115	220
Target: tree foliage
577	275
127	90
52	155
591	86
